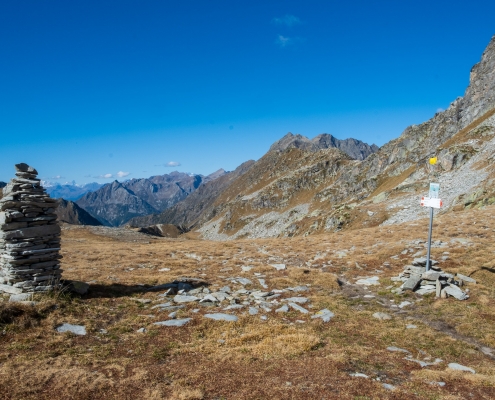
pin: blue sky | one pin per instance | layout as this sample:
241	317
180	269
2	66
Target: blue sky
130	89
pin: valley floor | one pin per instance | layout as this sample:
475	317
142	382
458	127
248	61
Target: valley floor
265	354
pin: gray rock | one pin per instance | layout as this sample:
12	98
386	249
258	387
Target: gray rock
381	316
173	322
466	278
210	298
398	349
325	314
297	307
284	308
141	330
262	283
76	329
20	297
185	299
431	275
279	267
299	300
244	281
454	291
225	289
233	307
299	289
410	326
10	289
426	290
221	317
422	262
359	375
459	367
412	282
253	311
368	281
388	386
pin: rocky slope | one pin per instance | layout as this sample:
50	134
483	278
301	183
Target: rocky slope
116	203
296	189
354	148
70	213
187	212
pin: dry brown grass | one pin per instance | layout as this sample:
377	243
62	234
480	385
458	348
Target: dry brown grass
253	359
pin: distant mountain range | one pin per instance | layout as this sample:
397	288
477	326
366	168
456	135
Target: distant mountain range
116	203
69	191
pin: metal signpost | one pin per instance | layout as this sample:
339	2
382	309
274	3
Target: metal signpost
432	201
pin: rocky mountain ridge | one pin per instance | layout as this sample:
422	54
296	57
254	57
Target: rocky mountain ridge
295	190
352	147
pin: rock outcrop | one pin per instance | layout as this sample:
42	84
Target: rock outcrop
197	205
352	147
70	213
29	235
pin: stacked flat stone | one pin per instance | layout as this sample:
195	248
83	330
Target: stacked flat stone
29	235
417	279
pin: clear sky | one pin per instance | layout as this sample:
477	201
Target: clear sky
129	89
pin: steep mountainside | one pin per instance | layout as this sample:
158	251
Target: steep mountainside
296	190
187	212
2	184
352	147
70	191
116	203
71	213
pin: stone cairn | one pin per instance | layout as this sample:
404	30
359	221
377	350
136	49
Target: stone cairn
443	284
29	236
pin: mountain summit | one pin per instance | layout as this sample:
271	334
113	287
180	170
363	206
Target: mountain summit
352	147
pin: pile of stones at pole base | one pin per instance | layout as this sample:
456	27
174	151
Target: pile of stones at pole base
29	235
417	279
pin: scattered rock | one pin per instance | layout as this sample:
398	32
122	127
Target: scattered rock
173	322
284	308
459	367
221	317
359	375
141	330
368	281
299	300
393	348
466	278
388	386
185	299
381	316
297	307
278	267
325	314
20	297
76	329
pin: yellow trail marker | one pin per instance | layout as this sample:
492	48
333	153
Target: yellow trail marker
433	160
